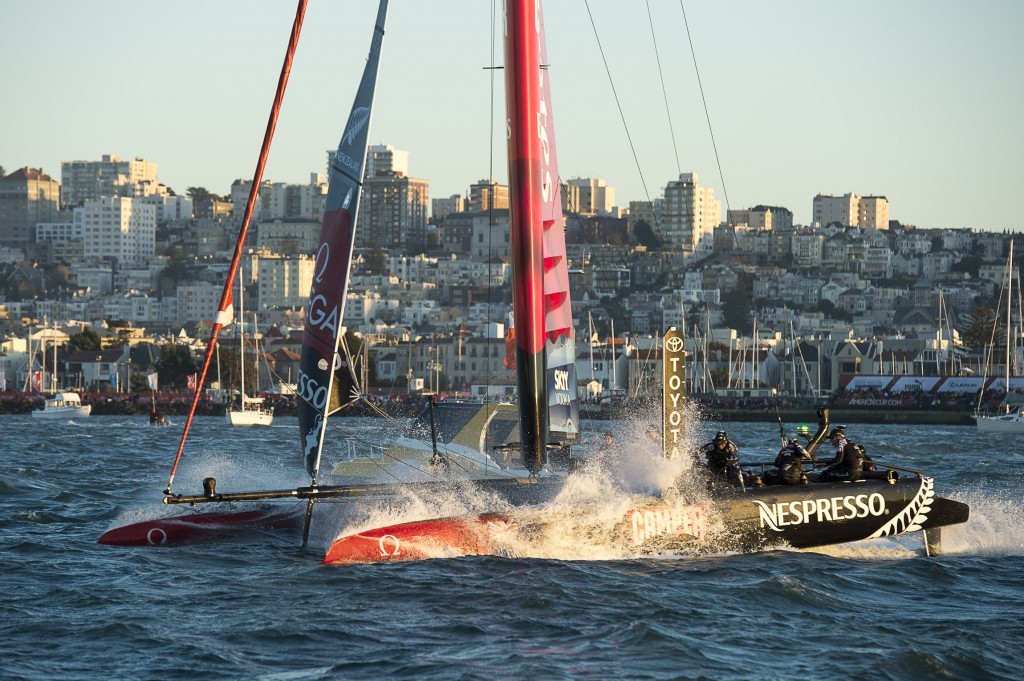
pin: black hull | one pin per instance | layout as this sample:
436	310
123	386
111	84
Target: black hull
803	516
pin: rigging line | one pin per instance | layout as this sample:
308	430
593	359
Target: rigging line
664	92
622	115
707	115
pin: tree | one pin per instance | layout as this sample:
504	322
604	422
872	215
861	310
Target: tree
199	194
174	273
736	304
174	366
2	171
57	277
646	236
375	260
979	330
87	340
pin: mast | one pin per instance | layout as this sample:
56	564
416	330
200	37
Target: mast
545	344
326	381
241	336
1009	306
224	309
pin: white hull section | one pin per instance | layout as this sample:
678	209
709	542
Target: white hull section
250	417
1007	423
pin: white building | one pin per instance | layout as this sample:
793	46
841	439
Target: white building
197	302
689	214
594	198
384	159
117	228
284	281
110	176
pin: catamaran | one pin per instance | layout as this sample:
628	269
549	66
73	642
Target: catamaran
545	422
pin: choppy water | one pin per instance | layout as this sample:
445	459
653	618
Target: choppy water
267	609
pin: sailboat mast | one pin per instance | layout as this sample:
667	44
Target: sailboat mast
224	311
326	380
527	148
241	337
1009	306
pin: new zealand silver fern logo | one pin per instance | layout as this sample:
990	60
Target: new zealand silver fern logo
356	122
913	514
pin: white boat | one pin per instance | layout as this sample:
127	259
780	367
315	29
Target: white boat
251	411
1003	423
65	405
61	404
1012	418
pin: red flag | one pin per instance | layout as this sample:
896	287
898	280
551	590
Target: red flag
192	382
37	380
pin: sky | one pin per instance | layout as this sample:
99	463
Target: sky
920	101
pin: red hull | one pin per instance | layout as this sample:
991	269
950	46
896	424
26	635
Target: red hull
437	538
179	529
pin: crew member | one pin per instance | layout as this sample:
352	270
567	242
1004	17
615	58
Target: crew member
608	446
848	463
722	460
789	465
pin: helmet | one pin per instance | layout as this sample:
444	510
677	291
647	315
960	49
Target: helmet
794	441
720	436
838	431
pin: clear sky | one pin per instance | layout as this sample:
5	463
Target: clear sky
918	100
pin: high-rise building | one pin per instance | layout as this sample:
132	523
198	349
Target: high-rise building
485	195
117	228
28	196
762	217
689	215
442	208
595	197
384	159
84	180
851	210
284	281
280	200
874	212
393	212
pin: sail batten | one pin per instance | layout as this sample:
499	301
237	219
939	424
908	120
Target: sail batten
326	382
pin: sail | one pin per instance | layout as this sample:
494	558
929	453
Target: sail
326	381
563	399
545	347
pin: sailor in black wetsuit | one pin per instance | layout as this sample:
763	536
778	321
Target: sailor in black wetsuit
789	465
722	460
848	463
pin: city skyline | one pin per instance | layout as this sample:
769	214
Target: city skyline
905	101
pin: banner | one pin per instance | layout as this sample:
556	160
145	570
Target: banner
152	380
113	380
37	381
192	382
3	380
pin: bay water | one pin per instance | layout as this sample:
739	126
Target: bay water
266	608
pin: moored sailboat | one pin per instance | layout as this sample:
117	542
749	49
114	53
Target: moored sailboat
1011	417
61	404
250	411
